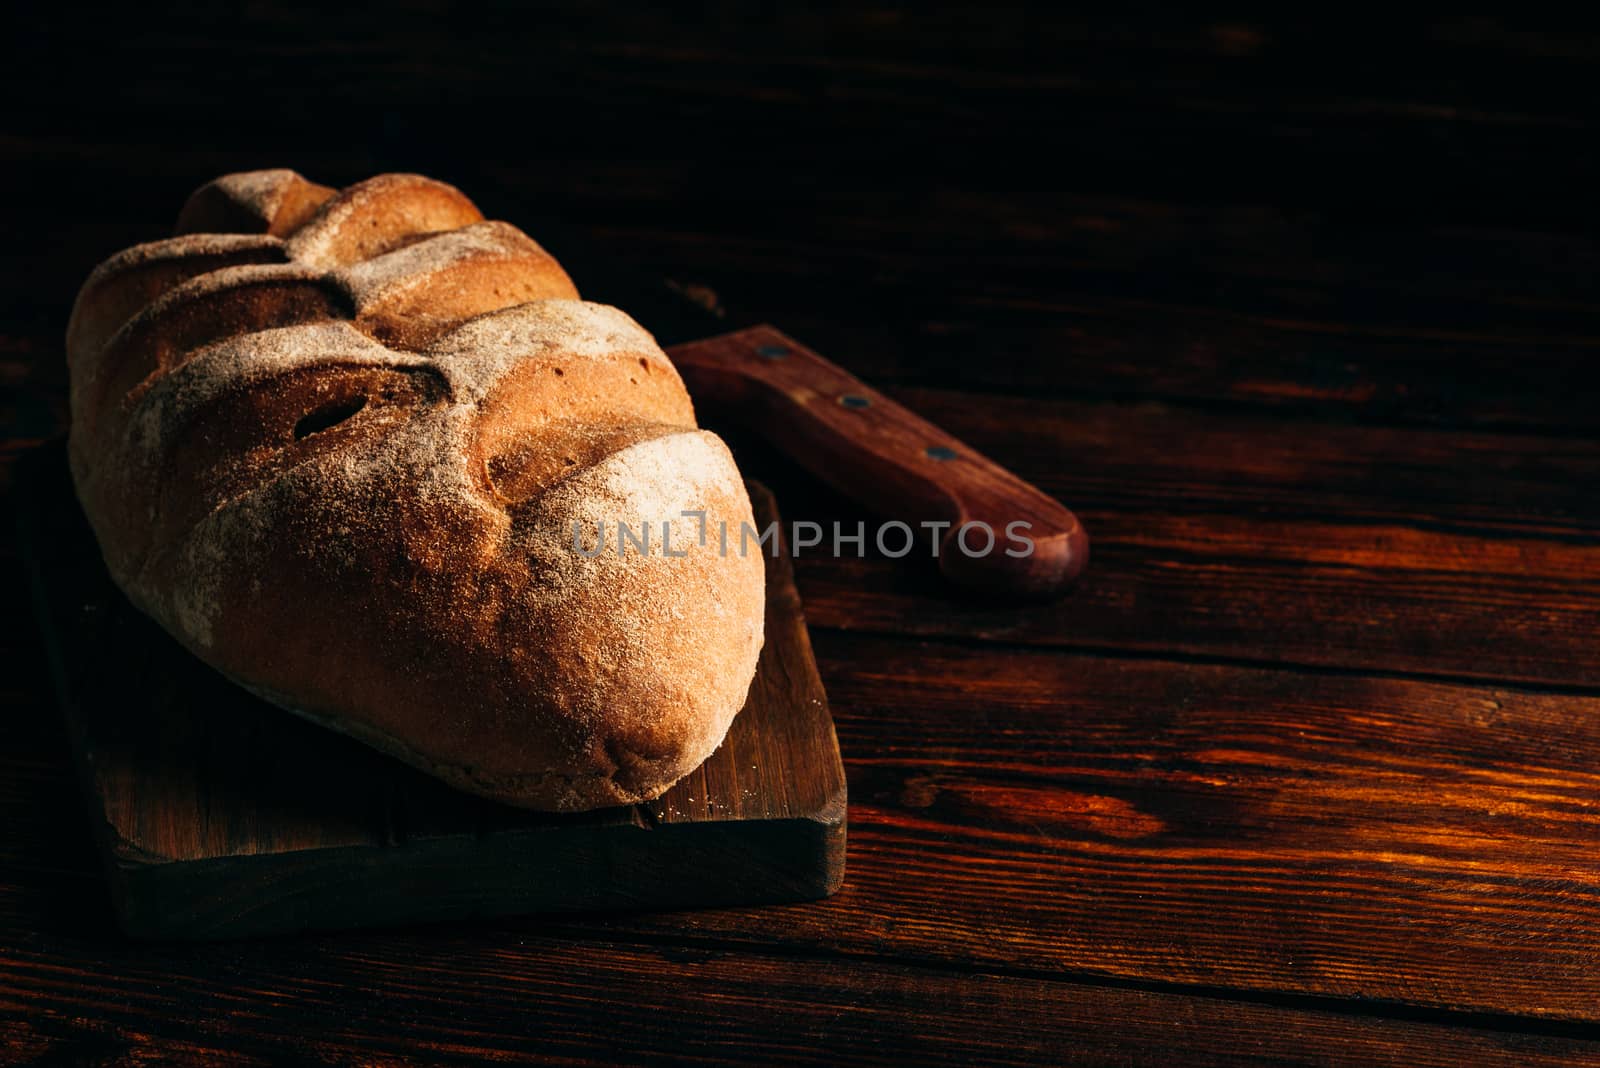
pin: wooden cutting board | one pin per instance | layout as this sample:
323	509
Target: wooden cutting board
218	815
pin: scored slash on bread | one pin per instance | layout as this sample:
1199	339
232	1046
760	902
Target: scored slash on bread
336	442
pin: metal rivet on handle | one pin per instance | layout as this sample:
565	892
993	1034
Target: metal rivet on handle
855	400
772	352
941	452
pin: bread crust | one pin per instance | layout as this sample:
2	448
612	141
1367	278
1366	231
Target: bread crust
342	458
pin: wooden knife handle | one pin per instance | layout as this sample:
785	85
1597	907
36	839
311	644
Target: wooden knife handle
887	458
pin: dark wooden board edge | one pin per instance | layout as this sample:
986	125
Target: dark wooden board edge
638	858
556	870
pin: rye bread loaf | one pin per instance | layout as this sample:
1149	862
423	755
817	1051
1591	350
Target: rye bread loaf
336	443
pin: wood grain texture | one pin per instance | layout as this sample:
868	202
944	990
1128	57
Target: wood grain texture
534	1000
1383	839
218	815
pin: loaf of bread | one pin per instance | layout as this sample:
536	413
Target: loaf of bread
338	443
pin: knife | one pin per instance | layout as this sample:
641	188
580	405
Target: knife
997	534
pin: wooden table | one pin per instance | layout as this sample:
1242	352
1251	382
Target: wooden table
1297	318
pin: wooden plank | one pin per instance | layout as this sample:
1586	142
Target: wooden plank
1150	458
1292	358
1386	840
219	815
1364	598
529	997
1021	260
